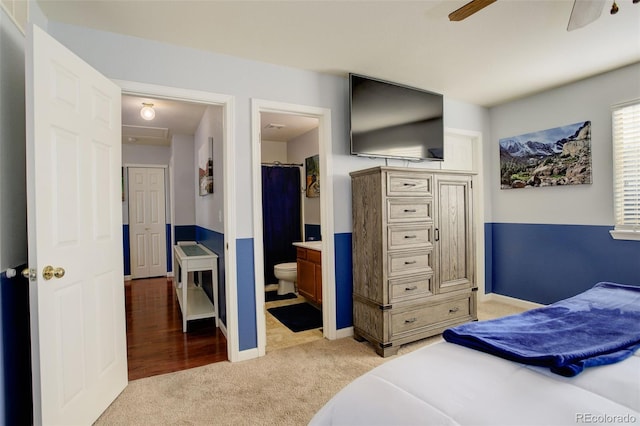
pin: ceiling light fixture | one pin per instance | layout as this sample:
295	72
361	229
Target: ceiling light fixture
147	112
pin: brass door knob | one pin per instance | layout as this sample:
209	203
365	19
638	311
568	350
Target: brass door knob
49	272
29	274
58	272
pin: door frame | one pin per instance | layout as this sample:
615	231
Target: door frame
227	102
326	213
167	184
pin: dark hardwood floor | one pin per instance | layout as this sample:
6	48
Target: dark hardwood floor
155	341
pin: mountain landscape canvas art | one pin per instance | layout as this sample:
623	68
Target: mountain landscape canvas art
553	157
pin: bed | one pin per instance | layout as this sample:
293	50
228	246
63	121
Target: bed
479	382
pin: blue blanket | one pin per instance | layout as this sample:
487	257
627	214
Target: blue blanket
598	327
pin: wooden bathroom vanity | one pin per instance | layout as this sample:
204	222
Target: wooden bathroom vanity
309	260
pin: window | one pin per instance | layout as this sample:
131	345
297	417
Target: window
626	170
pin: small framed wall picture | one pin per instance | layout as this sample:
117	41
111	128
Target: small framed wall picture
205	168
312	167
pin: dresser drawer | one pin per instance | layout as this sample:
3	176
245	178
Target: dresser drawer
399	184
409	262
401	289
430	314
409	236
409	210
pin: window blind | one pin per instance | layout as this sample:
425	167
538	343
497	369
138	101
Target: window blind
626	166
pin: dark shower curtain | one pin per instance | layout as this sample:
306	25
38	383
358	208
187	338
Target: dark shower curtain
281	223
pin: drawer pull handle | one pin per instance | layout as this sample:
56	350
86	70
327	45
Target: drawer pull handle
454	310
410	210
415	287
410	262
409	184
410	236
410	320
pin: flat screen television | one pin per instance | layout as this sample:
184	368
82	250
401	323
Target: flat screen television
391	120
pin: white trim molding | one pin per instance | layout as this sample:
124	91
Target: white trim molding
625	234
344	332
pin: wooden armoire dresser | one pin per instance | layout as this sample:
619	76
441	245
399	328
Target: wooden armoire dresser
413	254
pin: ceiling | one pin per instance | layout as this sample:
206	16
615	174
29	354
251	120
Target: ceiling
183	118
510	49
172	118
284	127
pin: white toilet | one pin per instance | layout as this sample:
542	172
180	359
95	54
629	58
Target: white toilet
287	274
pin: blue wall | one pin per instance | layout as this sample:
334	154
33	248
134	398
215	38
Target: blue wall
214	241
185	233
168	247
344	280
126	249
546	263
16	349
247	321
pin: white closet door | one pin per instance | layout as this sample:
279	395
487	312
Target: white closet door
147	228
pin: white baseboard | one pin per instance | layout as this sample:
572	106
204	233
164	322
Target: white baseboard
222	327
510	300
170	274
127	277
344	332
246	355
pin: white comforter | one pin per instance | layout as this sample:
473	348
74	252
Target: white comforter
447	384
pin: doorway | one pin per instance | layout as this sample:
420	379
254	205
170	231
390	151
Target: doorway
225	188
326	213
291	214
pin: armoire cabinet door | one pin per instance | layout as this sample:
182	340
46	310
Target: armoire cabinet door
454	233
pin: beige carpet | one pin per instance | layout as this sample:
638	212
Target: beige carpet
285	387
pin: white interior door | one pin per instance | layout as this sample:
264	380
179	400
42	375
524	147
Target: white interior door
147	229
78	332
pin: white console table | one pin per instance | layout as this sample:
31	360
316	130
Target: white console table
194	302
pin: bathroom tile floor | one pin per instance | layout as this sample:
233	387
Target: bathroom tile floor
278	335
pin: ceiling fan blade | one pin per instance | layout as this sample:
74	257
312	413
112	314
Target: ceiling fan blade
469	9
584	12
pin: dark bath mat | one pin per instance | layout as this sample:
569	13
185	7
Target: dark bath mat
270	296
298	317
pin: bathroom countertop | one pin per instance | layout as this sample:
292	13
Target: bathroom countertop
313	245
